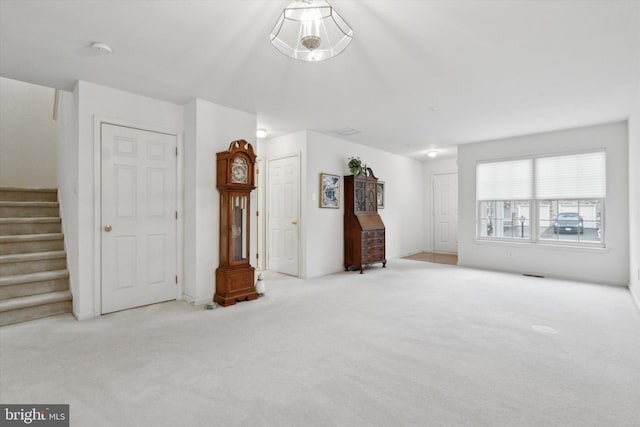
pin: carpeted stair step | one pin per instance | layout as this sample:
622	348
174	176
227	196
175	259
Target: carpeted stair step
34	280
33	284
11	265
21	309
28	194
19	209
29	243
14	226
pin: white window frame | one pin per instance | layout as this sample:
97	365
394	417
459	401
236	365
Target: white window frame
480	217
534	206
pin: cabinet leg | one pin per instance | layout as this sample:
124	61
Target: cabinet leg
384	264
361	269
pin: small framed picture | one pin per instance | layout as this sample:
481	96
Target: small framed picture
380	194
329	191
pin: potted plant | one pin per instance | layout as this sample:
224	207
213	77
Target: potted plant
356	166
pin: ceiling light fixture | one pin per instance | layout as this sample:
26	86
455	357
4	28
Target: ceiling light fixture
432	153
261	133
101	48
311	30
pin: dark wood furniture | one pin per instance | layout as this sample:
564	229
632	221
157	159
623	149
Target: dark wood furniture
235	181
364	232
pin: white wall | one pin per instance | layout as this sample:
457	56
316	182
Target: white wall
95	102
27	135
209	128
402	215
433	167
67	159
190	216
322	229
634	199
609	265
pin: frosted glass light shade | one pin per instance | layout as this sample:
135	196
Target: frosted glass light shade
311	30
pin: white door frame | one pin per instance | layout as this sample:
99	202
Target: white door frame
433	207
261	223
300	219
98	121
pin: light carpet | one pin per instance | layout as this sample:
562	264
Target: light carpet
415	344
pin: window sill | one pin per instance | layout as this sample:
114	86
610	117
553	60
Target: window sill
544	245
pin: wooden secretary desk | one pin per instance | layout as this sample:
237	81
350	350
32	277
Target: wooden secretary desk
364	239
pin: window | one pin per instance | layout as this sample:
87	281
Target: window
507	219
570	220
544	199
504	192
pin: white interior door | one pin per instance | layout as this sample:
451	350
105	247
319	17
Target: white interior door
138	217
283	215
445	213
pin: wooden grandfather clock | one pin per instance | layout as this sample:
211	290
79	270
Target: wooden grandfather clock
235	181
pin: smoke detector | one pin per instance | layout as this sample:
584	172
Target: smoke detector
101	48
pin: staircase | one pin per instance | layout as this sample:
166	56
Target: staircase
34	281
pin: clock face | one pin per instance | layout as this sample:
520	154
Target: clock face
239	171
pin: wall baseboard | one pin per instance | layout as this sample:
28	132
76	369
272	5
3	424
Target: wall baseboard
84	316
193	301
635	294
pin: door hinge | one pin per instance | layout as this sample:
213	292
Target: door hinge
257	171
176	151
176	280
176	214
257	256
257	213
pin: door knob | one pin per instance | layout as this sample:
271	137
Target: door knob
108	228
294	222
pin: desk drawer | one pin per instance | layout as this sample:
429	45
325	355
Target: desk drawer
372	250
372	238
372	258
375	234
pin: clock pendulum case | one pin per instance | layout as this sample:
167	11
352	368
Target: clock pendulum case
235	181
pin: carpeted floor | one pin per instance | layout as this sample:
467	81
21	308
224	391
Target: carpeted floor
415	344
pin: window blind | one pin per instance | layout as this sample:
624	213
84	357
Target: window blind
578	176
508	180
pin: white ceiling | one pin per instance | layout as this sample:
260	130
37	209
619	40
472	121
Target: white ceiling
418	74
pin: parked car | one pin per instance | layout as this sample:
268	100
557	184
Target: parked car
568	222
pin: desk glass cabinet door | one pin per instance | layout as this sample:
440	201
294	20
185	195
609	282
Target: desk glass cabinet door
364	231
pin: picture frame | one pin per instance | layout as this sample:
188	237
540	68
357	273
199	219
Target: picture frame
380	194
329	191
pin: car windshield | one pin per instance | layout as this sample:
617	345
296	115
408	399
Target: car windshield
568	216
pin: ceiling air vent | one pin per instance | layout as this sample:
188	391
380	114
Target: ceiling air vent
346	131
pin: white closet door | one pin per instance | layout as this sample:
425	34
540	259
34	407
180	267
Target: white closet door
138	217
